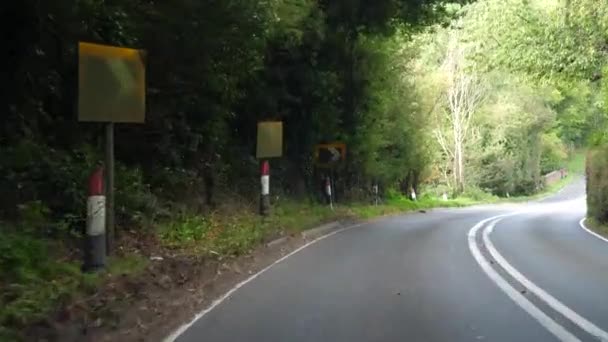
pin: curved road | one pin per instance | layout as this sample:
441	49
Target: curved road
532	274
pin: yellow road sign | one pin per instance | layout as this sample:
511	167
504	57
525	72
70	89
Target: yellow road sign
329	155
270	139
111	84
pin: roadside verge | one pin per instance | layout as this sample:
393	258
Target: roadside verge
194	260
597	230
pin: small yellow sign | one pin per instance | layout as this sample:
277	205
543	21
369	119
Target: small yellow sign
329	155
111	84
270	139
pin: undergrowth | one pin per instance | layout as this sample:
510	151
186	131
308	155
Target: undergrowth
36	277
597	227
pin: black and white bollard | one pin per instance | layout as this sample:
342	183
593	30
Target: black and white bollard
265	188
95	237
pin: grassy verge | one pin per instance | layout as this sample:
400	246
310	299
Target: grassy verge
597	227
225	234
403	205
36	278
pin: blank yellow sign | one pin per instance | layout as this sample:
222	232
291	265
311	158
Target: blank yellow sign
111	84
270	139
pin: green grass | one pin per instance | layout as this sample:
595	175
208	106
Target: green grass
132	265
239	230
597	227
224	234
35	279
393	207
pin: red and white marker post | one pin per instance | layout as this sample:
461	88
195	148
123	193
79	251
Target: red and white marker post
265	188
95	237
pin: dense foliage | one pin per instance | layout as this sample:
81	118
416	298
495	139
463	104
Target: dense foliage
597	184
460	98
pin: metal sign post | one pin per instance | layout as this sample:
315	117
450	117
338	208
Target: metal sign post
329	155
111	88
269	145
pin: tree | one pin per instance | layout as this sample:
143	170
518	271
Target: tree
463	94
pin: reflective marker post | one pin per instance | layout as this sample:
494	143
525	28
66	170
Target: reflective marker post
328	192
265	188
95	236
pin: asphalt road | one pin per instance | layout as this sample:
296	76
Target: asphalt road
432	276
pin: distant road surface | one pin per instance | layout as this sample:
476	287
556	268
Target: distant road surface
525	272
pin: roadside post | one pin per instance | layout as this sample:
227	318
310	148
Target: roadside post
375	191
269	145
95	239
111	89
328	192
329	156
265	188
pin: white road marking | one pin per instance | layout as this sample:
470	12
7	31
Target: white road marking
221	299
557	330
542	294
582	224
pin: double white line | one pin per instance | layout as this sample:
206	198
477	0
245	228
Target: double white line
549	323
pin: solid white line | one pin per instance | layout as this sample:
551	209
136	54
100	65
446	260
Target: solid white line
225	296
582	224
542	294
557	330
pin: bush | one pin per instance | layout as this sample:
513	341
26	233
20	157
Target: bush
185	229
554	153
597	184
477	194
57	179
135	203
32	280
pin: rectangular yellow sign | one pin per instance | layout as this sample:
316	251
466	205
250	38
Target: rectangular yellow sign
329	155
111	84
270	139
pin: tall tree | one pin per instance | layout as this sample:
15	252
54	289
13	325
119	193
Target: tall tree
463	95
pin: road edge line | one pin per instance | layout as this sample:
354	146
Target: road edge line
543	319
582	224
553	302
183	328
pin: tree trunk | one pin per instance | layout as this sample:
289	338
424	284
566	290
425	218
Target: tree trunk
459	160
416	181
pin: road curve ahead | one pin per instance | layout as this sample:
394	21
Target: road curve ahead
493	273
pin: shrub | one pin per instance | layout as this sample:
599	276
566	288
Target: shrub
477	194
597	184
32	279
